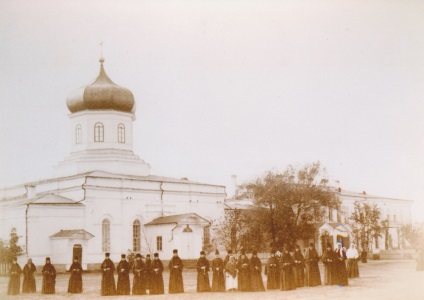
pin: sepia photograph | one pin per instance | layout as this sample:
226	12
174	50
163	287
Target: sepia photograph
238	149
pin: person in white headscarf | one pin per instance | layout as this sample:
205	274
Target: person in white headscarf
352	261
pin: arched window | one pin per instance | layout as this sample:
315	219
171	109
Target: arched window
121	133
106	235
99	132
136	236
78	134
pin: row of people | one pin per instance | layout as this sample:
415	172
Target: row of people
284	271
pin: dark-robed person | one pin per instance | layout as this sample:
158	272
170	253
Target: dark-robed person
243	267
123	269
256	281
108	280
218	279
49	278
287	280
75	280
352	261
15	271
149	271
202	267
140	275
341	272
28	285
312	275
329	259
227	257
156	278
272	271
176	284
299	267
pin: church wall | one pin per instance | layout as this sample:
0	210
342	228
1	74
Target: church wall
168	239
46	220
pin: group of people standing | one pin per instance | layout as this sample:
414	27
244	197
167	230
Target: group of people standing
285	270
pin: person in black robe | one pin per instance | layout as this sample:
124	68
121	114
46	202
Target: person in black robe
341	272
287	279
176	284
140	275
202	267
123	269
49	278
227	257
75	280
15	271
299	267
256	281
272	271
108	280
156	278
218	279
329	260
148	263
28	285
243	267
312	274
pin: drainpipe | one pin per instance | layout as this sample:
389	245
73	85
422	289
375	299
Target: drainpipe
26	228
83	187
172	232
161	199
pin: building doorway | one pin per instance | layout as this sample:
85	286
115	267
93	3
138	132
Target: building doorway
77	252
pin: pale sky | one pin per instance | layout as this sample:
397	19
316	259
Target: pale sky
225	87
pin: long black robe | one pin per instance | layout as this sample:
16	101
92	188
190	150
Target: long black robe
272	271
108	280
14	285
287	278
75	280
123	286
49	279
149	273
312	274
176	284
28	285
202	267
243	267
329	260
299	268
156	278
218	279
341	272
140	271
256	281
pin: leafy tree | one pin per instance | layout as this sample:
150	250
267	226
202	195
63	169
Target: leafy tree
235	231
10	249
288	203
413	236
365	223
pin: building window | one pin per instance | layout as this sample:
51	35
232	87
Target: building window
136	236
106	235
98	132
159	243
78	134
206	236
121	133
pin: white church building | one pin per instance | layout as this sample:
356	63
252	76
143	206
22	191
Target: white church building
102	197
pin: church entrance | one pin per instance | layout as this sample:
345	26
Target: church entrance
77	252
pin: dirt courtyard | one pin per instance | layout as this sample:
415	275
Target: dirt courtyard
382	280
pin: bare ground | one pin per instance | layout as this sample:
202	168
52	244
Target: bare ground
382	280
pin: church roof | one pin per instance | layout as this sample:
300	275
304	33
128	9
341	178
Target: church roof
190	218
72	234
53	199
102	94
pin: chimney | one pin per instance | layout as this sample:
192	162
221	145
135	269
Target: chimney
234	178
31	193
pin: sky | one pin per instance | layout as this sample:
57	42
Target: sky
225	87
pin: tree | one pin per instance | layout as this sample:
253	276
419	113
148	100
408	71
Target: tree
235	231
10	249
288	203
366	223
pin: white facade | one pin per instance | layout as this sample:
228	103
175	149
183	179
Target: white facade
102	195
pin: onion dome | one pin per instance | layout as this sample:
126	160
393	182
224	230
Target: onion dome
102	94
